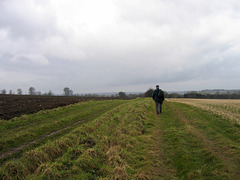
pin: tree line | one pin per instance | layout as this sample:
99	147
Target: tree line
217	95
199	95
191	94
67	92
31	91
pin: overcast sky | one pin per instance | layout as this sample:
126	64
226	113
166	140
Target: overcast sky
119	45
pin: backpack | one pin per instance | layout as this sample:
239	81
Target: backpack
160	94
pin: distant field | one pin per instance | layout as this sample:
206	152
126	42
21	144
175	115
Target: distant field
229	109
124	139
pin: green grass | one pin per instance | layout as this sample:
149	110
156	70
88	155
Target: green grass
219	136
95	149
130	141
191	141
27	128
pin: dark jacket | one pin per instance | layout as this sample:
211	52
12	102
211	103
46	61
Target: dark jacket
156	96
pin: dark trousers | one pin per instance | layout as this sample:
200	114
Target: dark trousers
160	107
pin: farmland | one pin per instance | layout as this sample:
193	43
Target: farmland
124	139
17	105
228	109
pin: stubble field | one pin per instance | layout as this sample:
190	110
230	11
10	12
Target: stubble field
226	108
124	139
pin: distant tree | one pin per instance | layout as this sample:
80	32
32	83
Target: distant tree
113	95
3	91
193	94
148	93
67	91
31	91
10	92
19	91
122	94
50	93
38	93
135	95
173	95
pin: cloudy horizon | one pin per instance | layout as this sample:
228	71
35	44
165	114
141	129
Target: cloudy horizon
96	46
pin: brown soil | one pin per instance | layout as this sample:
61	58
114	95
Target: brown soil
17	105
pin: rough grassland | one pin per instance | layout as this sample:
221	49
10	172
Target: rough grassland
131	141
29	129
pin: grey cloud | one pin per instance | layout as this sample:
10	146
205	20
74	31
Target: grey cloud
23	21
178	44
37	59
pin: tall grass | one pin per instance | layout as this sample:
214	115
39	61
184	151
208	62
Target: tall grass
27	128
93	150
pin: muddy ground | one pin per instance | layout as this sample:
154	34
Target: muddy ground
16	105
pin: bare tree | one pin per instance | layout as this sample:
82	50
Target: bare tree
3	91
31	91
67	91
19	91
50	93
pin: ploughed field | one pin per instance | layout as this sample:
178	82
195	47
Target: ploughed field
124	139
17	105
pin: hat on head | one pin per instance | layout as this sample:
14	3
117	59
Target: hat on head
157	85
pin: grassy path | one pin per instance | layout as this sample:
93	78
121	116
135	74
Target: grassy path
194	144
219	136
18	133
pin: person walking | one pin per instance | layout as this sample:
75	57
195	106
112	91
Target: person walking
158	97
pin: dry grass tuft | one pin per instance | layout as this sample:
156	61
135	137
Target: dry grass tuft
49	171
114	150
14	170
113	156
34	158
142	176
52	151
121	173
92	152
75	152
88	141
89	129
80	131
64	143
